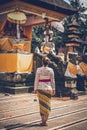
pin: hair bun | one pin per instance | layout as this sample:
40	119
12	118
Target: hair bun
45	61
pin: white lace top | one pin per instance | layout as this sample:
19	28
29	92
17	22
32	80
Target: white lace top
44	79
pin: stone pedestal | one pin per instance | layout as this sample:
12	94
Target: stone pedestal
70	83
18	90
16	83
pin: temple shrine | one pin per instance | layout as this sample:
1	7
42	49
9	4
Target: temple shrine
17	19
74	40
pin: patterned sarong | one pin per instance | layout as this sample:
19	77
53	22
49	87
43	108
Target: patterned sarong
44	97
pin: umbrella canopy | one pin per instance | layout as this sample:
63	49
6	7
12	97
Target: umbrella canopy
17	17
58	26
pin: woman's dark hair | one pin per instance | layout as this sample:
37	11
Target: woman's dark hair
45	61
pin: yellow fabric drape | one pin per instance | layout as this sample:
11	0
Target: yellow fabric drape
7	45
28	32
11	62
72	68
25	46
83	67
8	62
25	63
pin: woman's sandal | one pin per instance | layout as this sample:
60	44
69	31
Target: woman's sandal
43	124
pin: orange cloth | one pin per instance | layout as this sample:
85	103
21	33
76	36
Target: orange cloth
45	49
83	67
11	62
8	62
72	68
7	45
25	46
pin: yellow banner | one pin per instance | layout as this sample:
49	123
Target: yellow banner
11	62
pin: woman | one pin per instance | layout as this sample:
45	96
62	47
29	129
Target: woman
44	86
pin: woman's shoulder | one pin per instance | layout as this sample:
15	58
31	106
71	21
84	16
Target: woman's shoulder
47	68
39	68
50	69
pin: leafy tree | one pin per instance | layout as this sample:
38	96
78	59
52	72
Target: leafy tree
81	18
60	38
38	36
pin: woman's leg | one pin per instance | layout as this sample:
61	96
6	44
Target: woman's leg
42	118
45	119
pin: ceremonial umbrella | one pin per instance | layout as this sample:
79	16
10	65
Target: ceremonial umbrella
58	26
17	17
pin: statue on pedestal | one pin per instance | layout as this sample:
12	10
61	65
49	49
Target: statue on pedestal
48	45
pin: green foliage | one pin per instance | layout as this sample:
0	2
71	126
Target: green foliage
81	17
38	36
60	38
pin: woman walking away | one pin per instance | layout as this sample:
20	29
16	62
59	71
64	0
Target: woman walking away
44	86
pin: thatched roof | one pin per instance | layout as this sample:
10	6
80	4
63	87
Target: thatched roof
55	5
76	32
75	40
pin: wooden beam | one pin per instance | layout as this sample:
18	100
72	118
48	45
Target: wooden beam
31	9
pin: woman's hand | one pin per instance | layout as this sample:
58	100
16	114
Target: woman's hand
35	91
53	92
